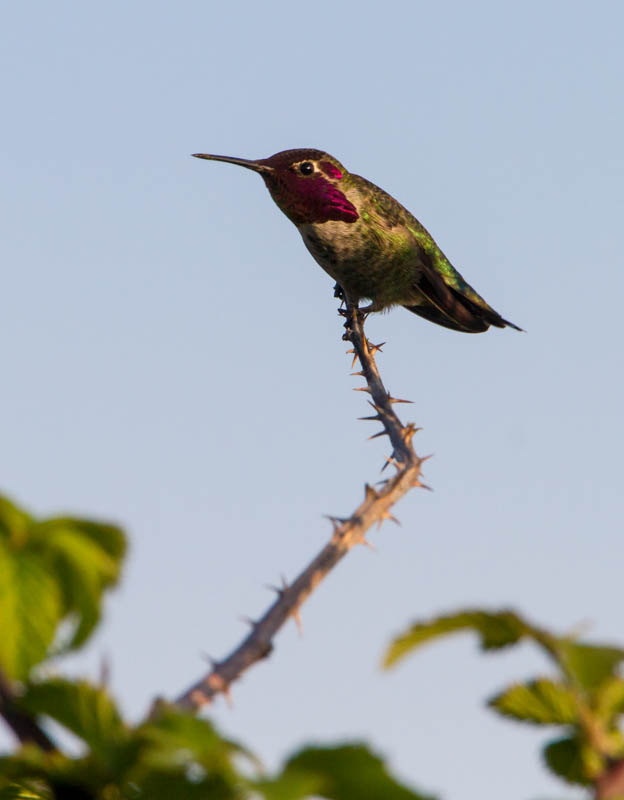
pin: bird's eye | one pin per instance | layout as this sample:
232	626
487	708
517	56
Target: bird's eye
307	168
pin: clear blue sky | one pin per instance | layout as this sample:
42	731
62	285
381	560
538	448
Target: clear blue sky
172	357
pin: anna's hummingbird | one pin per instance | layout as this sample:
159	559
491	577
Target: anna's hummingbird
369	244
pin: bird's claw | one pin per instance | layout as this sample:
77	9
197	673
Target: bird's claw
350	314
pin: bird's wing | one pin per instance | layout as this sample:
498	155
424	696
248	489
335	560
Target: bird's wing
450	300
443	306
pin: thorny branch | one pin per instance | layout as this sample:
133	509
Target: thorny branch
347	532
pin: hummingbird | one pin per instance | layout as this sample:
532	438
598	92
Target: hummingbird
367	241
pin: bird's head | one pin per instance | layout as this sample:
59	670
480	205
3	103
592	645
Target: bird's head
305	184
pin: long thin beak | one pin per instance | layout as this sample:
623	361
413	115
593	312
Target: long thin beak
256	166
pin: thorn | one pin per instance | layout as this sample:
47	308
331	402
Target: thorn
375	417
350	351
391	460
581	627
424	486
248	620
381	433
297	617
219	685
105	670
355	358
198	698
370	493
358	374
362	389
383	482
214	664
386	515
279	590
407	433
337	522
376	348
228	695
425	458
392	399
370	546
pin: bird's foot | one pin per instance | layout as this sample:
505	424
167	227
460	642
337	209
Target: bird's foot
351	314
339	292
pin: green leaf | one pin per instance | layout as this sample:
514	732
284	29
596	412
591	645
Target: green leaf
191	785
291	785
346	772
51	571
87	559
87	711
177	738
174	755
182	755
16	791
573	760
34	767
177	755
543	702
608	701
30	609
108	538
14	522
495	629
590	665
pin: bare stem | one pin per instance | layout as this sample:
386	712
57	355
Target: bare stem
610	785
347	532
24	726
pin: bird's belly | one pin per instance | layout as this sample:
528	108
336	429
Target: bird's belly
362	262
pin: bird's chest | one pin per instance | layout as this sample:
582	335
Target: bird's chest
332	243
355	255
342	248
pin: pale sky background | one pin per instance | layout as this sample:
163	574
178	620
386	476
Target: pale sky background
172	356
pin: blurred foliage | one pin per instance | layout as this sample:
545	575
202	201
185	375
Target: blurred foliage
173	754
585	697
53	574
52	571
